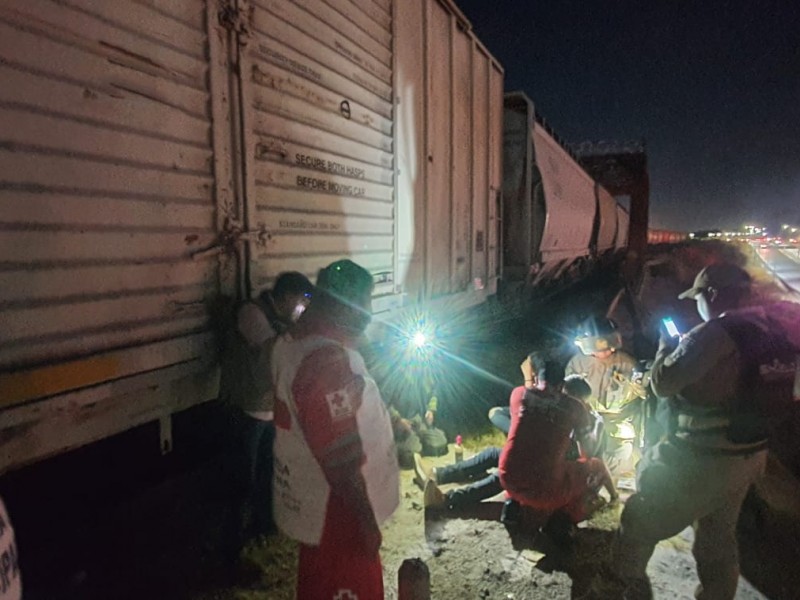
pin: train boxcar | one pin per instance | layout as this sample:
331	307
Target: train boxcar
555	215
157	156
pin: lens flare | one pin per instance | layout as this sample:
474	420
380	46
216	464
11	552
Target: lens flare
419	340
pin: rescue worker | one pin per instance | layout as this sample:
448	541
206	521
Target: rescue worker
246	384
533	456
336	472
599	359
534	466
608	370
699	475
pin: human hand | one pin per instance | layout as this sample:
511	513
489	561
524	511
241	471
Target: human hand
527	370
430	416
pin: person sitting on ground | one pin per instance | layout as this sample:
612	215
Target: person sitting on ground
489	485
413	423
500	416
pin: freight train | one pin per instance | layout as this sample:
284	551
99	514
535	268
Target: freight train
158	156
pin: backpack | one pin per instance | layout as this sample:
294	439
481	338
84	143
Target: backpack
768	341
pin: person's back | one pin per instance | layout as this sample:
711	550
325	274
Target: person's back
540	437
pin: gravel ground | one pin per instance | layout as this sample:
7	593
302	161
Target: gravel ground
160	540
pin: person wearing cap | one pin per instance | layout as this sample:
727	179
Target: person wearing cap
601	358
700	472
607	368
336	472
246	385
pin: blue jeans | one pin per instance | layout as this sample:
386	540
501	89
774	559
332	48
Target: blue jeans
500	416
471	469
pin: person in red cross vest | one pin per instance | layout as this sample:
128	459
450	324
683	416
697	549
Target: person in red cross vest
336	471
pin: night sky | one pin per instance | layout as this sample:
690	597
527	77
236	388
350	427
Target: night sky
712	86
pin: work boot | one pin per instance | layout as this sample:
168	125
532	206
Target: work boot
422	474
511	514
433	497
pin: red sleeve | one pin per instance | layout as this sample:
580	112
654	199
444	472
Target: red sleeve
515	401
328	394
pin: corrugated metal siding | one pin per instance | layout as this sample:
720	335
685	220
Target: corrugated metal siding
571	205
319	151
607	231
495	258
448	138
106	181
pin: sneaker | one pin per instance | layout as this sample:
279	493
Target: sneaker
422	474
433	497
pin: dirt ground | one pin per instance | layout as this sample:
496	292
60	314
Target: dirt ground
160	540
474	556
477	558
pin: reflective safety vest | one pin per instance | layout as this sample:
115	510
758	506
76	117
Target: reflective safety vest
300	488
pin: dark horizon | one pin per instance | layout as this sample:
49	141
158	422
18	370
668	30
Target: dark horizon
713	90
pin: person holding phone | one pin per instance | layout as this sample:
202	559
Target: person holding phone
700	472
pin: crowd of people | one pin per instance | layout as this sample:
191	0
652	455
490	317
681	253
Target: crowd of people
319	451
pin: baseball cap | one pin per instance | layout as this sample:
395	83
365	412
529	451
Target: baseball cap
719	276
345	280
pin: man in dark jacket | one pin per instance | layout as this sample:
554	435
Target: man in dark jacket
246	385
699	475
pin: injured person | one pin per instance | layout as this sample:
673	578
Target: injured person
548	462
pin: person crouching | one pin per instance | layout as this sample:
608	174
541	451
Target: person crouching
535	467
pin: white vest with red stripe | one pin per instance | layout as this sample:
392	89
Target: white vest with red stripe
300	488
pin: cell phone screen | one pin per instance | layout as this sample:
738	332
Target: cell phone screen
669	324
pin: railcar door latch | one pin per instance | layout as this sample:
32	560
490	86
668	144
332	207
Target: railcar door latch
231	236
235	17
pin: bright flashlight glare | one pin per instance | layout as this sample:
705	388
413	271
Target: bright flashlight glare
419	339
